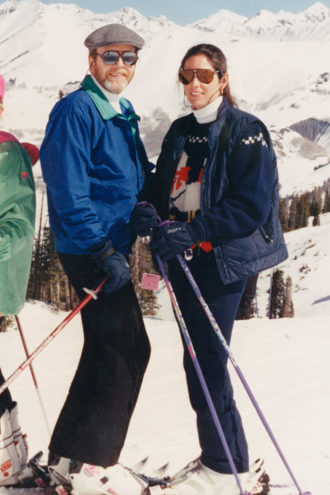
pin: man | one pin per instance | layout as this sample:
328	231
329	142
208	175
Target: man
17	213
95	165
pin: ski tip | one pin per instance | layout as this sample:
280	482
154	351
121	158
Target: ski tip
140	464
162	469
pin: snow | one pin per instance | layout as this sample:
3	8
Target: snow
285	363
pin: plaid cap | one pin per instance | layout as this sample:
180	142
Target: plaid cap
113	34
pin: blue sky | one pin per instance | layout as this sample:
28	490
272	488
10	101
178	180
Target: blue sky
186	11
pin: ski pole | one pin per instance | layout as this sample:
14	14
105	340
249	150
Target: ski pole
230	355
34	378
199	372
92	294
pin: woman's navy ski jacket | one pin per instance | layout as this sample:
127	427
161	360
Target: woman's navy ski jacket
239	192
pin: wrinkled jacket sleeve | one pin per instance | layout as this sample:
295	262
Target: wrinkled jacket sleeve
65	157
247	200
17	201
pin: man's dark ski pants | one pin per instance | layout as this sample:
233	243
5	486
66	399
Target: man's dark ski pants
94	420
223	301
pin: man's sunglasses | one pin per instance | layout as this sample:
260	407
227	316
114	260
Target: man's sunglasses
111	57
203	75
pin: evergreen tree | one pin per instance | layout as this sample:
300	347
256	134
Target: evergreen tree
6	322
141	262
284	214
292	221
247	306
48	281
281	304
326	203
316	205
277	293
303	211
287	309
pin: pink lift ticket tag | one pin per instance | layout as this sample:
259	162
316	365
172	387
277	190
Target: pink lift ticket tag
150	281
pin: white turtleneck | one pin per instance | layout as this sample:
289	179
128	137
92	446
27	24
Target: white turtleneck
112	98
209	113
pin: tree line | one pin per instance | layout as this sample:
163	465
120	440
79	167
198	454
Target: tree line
49	283
294	212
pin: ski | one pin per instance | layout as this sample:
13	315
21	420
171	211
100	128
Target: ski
35	479
38	481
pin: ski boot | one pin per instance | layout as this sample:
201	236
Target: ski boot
87	479
197	479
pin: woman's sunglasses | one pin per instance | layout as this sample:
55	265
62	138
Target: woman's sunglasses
111	57
203	75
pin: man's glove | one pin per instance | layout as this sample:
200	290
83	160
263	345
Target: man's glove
171	239
144	217
113	264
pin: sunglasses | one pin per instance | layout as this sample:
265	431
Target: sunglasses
203	75
111	57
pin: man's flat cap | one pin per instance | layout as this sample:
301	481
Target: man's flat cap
114	34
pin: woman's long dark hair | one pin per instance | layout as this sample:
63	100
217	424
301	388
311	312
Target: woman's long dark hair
216	58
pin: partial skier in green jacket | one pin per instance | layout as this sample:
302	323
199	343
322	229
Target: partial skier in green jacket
17	213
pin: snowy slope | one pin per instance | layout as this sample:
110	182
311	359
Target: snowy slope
284	361
287	370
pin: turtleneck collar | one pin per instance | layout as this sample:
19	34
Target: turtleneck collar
112	98
209	113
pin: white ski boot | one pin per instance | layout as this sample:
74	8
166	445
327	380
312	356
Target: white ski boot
18	437
10	464
197	479
87	479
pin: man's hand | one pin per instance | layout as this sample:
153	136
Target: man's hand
113	264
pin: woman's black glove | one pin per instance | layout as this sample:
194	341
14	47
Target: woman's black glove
171	239
144	217
114	264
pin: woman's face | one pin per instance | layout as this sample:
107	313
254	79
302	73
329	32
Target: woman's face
201	94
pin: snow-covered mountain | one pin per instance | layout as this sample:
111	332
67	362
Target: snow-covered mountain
278	66
312	24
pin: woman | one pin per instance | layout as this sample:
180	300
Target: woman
216	178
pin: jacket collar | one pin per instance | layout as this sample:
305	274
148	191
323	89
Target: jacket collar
103	105
6	136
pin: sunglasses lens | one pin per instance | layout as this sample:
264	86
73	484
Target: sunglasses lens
205	75
186	76
130	58
111	57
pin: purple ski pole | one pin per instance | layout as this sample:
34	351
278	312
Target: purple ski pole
230	355
199	372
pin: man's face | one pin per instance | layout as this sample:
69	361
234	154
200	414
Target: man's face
114	77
